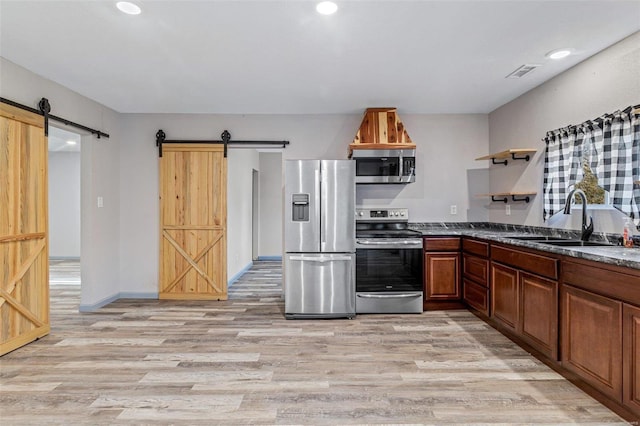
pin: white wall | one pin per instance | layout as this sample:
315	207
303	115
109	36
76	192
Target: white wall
100	174
64	204
270	238
240	166
120	241
602	84
447	146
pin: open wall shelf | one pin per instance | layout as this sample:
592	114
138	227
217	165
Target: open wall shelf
505	197
514	154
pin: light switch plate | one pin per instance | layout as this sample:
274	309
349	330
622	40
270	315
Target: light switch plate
507	210
100	202
454	209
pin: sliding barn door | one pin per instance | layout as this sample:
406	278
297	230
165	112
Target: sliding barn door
193	222
24	263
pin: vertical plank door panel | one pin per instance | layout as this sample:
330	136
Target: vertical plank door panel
193	209
24	264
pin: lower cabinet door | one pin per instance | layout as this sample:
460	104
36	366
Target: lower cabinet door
631	357
442	276
592	339
504	295
539	313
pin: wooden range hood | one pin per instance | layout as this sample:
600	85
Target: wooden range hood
381	129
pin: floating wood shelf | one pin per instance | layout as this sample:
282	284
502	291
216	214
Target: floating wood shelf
515	154
504	196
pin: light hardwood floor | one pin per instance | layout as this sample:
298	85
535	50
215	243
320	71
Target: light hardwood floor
241	362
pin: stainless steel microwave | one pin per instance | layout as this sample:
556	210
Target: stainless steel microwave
385	165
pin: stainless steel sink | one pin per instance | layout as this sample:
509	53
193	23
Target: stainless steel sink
577	243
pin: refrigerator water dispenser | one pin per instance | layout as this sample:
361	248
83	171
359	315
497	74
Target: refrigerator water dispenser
300	206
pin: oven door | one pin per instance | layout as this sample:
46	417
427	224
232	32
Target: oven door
389	279
389	269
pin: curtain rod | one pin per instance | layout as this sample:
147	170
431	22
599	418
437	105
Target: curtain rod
44	109
635	109
226	140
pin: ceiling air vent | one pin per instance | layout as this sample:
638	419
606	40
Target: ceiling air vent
523	70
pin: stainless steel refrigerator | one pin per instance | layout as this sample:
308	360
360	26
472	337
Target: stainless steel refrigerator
319	239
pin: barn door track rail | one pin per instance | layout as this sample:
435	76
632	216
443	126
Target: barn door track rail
161	138
44	109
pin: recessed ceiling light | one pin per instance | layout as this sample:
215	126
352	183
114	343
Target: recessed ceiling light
327	7
128	8
70	142
559	53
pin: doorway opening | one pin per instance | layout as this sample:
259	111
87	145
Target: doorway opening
64	208
255	214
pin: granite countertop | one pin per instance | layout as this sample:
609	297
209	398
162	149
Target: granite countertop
501	233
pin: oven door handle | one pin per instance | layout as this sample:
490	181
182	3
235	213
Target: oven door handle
389	296
378	243
320	259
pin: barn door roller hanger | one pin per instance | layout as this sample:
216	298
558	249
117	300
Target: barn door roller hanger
161	138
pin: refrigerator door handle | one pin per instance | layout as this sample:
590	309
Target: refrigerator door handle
323	207
319	259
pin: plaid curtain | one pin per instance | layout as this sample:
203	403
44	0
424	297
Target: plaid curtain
611	145
616	154
562	167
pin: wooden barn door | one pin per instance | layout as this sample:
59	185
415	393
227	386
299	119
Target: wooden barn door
24	263
193	222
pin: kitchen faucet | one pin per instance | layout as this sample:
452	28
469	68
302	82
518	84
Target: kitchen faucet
586	230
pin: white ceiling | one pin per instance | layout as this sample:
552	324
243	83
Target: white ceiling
267	56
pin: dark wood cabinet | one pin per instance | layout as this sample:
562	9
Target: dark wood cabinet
475	296
592	339
476	268
441	272
582	314
524	300
539	313
504	295
475	273
442	275
475	247
631	357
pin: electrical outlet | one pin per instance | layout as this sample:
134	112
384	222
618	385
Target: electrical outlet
454	209
100	202
507	210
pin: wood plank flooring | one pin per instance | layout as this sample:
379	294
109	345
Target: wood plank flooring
241	362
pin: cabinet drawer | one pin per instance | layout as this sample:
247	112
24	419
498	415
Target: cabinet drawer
476	268
441	243
603	279
478	248
476	296
531	262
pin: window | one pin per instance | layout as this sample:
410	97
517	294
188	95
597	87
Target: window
601	156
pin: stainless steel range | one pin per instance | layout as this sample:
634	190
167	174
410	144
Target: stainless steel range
389	262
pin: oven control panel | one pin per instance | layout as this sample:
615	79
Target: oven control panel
383	215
